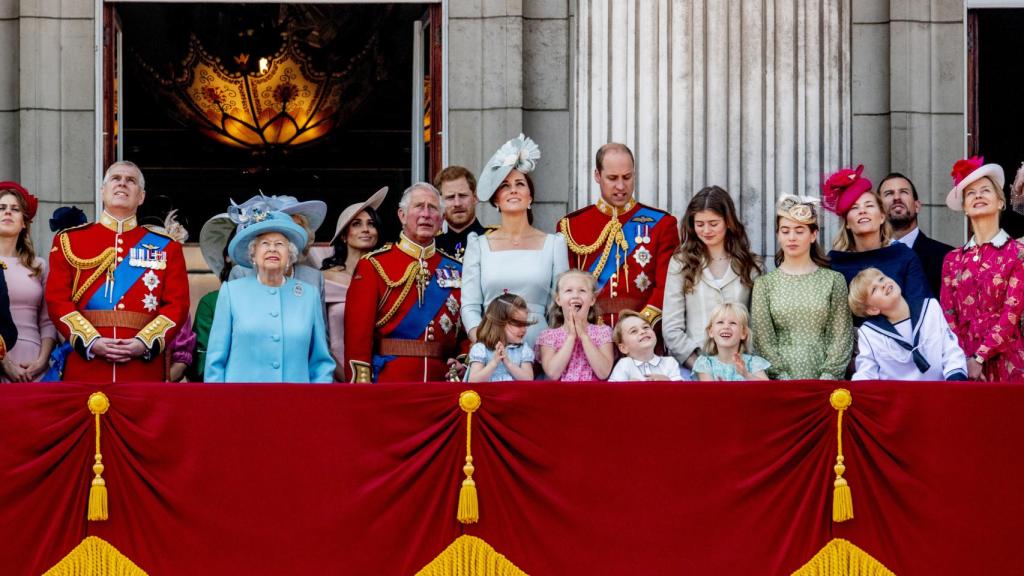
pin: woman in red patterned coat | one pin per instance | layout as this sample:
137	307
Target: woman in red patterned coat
983	281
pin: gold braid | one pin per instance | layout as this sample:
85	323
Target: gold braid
104	264
407	279
609	237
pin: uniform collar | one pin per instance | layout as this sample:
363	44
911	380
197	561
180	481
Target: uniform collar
997	241
607	209
413	249
119	226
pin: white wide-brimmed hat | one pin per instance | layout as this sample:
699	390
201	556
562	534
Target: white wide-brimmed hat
966	172
520	153
352	210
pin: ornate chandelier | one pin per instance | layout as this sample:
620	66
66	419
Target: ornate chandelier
265	102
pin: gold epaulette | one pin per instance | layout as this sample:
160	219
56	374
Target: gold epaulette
447	255
159	231
489	229
387	246
76	227
103	264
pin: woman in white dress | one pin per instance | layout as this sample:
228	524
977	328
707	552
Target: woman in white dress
516	257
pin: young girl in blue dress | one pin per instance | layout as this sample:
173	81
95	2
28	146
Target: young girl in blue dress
499	354
723	356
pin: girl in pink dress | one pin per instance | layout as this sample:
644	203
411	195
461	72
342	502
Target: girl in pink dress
26	276
983	281
357	232
575	348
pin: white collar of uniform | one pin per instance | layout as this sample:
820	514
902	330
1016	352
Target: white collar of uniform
119	226
997	241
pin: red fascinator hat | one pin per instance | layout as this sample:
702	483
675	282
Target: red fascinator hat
842	189
31	202
966	172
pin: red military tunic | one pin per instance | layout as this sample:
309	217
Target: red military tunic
634	268
389	335
87	261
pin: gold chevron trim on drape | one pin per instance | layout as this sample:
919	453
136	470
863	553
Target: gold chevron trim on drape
841	558
470	556
95	557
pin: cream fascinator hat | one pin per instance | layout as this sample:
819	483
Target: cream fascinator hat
520	153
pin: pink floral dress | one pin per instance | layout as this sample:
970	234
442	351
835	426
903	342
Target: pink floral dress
578	369
983	298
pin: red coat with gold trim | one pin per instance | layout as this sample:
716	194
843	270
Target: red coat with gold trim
152	309
384	290
639	279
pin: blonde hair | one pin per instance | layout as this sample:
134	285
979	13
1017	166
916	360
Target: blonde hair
555	316
735	309
860	288
623	316
497	316
844	240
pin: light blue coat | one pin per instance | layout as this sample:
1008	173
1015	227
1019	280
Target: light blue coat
268	334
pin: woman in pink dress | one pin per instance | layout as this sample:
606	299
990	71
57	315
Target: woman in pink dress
26	276
357	233
983	281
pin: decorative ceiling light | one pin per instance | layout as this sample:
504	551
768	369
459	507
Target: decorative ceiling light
263	102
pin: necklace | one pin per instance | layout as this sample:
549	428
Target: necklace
720	258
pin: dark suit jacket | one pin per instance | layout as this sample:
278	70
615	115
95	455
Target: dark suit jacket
931	253
8	331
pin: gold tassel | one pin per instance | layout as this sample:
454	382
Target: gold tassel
842	498
469	509
470	555
98	405
841	558
95	557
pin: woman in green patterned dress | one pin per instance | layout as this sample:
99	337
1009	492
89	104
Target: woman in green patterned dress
801	319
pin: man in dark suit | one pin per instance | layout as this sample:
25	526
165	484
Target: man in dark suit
899	199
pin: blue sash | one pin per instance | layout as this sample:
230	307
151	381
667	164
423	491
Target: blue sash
417	318
125	276
629	230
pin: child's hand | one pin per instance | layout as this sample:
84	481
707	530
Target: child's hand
499	354
570	321
581	320
741	367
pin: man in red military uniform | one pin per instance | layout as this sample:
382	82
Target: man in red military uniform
117	291
624	244
402	314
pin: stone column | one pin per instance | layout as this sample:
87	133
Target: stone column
927	64
47	105
751	95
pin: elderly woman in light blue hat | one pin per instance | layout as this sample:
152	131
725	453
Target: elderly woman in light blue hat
309	215
516	257
268	327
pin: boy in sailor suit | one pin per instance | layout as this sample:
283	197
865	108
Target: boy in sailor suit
901	340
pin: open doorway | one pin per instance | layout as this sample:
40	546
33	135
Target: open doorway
170	106
993	104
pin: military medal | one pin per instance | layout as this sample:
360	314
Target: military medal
446	323
453	305
149	302
150	280
642	282
642	256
